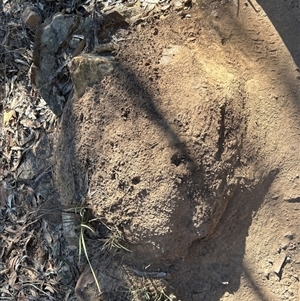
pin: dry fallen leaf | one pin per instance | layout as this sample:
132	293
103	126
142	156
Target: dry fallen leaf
21	297
30	123
8	116
12	279
49	288
47	235
3	195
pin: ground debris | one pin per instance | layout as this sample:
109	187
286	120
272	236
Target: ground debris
150	274
278	263
31	249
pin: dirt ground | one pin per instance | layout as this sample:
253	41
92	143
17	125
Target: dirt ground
190	151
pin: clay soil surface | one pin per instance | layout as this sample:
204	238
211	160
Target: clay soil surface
189	154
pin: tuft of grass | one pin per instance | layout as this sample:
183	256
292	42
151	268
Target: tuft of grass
145	293
113	241
84	225
142	293
82	211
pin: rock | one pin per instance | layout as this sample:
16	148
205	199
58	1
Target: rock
74	42
51	40
31	17
89	69
191	39
206	287
168	54
289	235
55	33
165	7
178	5
284	245
113	20
84	289
34	164
136	19
278	263
109	279
29	167
267	274
272	277
3	195
215	14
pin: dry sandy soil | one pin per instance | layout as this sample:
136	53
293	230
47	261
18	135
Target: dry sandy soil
190	148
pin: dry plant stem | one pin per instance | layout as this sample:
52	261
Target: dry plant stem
38	289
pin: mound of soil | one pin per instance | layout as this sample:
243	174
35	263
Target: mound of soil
179	163
191	149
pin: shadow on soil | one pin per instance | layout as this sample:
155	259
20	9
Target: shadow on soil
212	266
195	187
256	288
285	17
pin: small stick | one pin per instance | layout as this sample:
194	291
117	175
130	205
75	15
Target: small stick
250	2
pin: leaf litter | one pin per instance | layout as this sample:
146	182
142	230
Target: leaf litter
35	261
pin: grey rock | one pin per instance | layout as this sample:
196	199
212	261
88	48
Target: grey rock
51	41
168	54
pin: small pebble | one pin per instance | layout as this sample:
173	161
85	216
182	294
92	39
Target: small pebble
31	17
178	5
191	39
267	274
166	7
284	246
289	235
215	14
